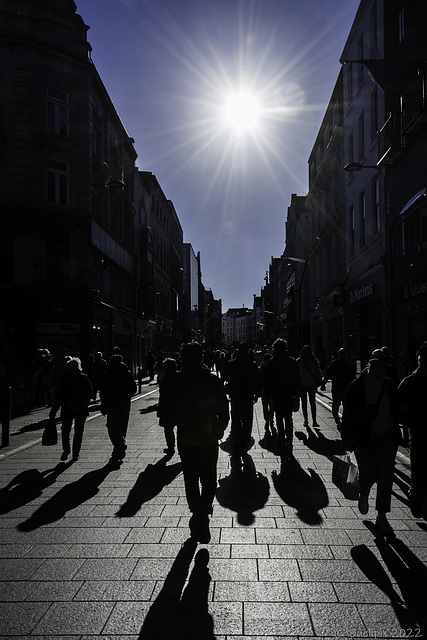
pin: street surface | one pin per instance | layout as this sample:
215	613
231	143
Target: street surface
92	551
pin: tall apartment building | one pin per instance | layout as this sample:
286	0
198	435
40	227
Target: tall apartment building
91	250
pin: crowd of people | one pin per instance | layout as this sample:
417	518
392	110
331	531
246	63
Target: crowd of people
201	391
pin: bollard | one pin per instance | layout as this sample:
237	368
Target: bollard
6	407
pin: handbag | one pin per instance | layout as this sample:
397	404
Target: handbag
345	475
50	434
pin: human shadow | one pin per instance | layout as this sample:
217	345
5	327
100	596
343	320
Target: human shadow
182	613
27	486
67	498
149	484
403	481
303	490
270	442
318	443
245	490
33	426
150	409
408	573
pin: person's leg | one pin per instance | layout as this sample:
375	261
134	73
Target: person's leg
190	471
280	424
208	459
304	405
170	438
289	427
117	423
65	436
337	398
367	475
236	421
312	398
385	456
247	421
79	425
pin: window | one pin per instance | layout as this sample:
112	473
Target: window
362	213
374	114
351	229
57	182
401	24
376	204
57	111
361	135
350	148
373	29
350	83
360	76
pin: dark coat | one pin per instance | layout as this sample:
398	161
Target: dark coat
118	388
242	378
201	406
73	394
358	416
413	404
282	380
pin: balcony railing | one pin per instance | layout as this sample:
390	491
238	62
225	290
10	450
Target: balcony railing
389	141
414	104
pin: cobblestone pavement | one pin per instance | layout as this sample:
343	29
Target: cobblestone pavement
91	551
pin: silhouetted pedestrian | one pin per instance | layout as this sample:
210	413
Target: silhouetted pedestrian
72	396
165	407
202	416
116	392
243	385
283	384
370	425
341	372
413	407
266	400
311	378
99	369
151	363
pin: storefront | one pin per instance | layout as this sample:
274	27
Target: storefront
365	316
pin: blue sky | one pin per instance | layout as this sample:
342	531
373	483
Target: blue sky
172	68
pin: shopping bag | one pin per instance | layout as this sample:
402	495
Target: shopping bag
345	475
50	434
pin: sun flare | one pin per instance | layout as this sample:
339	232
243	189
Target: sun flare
242	112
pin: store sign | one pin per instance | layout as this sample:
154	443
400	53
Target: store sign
359	293
415	289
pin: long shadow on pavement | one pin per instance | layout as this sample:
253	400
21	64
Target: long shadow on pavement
407	571
67	498
301	489
27	486
148	485
178	613
245	490
318	443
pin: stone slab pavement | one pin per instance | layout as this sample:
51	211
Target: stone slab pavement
91	551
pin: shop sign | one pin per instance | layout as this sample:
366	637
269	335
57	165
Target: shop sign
414	289
359	293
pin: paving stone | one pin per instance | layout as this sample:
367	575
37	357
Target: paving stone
74	618
282	619
18	619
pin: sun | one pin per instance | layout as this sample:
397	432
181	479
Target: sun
242	112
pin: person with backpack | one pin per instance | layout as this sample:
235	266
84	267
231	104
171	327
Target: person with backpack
202	413
283	384
243	385
116	392
73	396
311	378
370	427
